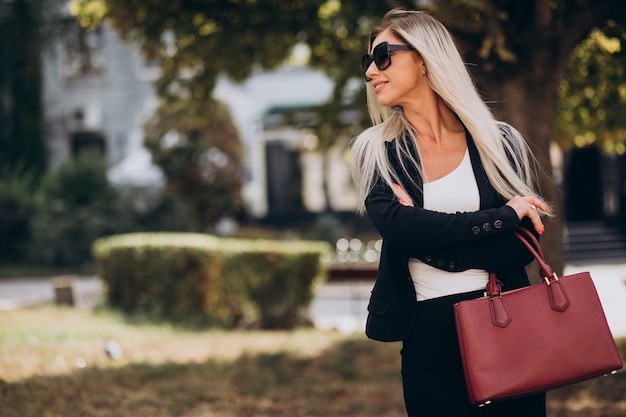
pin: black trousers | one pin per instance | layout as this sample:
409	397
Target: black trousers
432	374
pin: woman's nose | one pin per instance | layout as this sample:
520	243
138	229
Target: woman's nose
371	70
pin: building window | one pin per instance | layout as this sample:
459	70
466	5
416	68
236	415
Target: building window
87	143
84	51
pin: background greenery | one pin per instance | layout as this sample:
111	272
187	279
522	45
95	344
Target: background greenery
206	280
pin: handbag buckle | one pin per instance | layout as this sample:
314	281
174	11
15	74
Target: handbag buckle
554	277
491	295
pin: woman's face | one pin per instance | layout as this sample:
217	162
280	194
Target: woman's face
404	80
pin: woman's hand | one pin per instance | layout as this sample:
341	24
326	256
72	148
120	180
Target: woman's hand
403	196
527	207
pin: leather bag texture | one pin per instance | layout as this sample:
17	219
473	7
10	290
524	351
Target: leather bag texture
535	338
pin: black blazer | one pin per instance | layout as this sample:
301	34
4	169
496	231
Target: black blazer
453	242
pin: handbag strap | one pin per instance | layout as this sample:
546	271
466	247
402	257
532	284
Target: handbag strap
532	238
494	286
559	301
534	248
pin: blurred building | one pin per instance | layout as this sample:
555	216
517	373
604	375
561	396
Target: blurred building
98	93
286	174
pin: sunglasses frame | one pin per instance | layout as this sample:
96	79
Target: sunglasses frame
385	62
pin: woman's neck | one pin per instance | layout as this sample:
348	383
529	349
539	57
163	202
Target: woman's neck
433	120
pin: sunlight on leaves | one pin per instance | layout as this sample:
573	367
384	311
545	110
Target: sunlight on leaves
329	9
90	13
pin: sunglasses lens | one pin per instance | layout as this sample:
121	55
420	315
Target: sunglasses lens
381	56
366	61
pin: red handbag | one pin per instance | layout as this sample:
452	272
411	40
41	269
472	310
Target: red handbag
535	338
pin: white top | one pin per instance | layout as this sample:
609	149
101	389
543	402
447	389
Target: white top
456	192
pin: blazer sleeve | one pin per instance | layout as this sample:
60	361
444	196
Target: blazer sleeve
499	253
416	230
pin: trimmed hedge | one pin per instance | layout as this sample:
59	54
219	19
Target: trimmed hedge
211	280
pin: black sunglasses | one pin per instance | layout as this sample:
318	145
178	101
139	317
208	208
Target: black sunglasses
381	56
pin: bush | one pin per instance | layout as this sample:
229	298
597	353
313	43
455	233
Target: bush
76	205
274	278
17	207
209	280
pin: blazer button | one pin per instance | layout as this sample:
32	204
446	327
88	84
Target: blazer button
498	224
475	230
486	227
440	263
451	266
428	259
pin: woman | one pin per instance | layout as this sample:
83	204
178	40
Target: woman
446	186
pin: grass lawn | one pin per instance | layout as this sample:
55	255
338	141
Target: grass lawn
52	364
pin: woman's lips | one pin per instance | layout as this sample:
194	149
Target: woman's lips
379	85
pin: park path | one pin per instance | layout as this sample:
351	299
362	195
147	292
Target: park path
338	305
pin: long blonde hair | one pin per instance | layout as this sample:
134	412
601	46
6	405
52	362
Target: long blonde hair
506	162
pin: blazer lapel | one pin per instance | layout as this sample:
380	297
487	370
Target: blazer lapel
488	196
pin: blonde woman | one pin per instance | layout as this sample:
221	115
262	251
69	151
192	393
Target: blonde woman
446	185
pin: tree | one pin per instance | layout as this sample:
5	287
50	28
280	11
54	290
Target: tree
523	48
520	48
22	146
592	95
197	146
75	206
23	153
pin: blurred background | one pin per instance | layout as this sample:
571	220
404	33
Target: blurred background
235	117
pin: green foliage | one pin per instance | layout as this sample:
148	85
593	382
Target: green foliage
78	182
593	94
277	282
208	280
163	275
198	148
75	205
207	37
17	206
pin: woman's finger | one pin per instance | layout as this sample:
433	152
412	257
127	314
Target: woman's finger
403	196
527	207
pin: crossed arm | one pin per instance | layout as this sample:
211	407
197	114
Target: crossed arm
482	239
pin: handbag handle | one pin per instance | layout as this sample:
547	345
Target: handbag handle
535	249
559	301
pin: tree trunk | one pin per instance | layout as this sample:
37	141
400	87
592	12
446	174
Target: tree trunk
527	99
539	36
26	148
